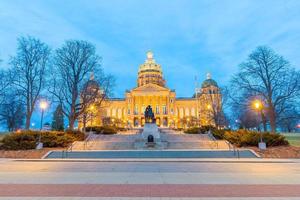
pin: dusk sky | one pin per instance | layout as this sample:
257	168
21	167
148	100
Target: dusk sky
188	38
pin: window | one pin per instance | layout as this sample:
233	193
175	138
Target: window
172	111
157	110
171	100
136	110
143	110
128	111
164	110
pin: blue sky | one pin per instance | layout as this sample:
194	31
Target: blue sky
188	38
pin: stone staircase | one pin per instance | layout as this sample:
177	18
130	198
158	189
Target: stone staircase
173	139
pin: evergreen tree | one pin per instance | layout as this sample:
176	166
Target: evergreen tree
58	119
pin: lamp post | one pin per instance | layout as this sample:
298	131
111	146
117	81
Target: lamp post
43	106
258	106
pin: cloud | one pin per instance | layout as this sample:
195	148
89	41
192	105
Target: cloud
189	38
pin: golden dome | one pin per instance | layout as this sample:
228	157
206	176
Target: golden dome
150	72
150	64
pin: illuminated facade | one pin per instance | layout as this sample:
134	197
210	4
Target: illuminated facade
169	111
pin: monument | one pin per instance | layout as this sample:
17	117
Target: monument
150	127
150	136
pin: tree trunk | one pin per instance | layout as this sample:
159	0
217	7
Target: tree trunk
27	123
264	121
71	122
272	117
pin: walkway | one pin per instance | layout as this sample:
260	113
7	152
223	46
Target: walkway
135	180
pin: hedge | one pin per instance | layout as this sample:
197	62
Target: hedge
102	129
28	139
242	138
196	130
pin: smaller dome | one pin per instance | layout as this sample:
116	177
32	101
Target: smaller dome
91	85
209	82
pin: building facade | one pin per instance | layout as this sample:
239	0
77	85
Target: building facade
169	110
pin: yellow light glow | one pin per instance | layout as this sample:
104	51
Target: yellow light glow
43	105
257	104
208	106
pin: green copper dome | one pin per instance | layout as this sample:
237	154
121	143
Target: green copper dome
209	82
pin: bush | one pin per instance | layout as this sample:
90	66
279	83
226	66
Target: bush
102	129
251	138
218	133
28	139
76	134
18	141
199	130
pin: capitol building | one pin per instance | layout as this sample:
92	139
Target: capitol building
169	110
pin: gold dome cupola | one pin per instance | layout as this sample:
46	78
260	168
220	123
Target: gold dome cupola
150	72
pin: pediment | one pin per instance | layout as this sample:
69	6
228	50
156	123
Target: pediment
150	88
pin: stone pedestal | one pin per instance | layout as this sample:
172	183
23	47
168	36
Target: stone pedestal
142	141
151	129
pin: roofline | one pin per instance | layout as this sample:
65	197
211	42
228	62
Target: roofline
185	98
117	99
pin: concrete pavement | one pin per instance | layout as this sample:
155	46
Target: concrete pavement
149	179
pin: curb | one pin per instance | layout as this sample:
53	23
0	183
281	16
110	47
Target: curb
198	160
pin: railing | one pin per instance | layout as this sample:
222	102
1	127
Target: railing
68	149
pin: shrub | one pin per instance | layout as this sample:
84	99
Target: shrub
272	139
193	130
28	139
76	134
218	133
251	138
200	130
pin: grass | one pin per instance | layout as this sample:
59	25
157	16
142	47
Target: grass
293	138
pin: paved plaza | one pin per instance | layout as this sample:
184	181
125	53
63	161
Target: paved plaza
232	179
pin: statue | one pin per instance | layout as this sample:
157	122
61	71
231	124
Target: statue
149	115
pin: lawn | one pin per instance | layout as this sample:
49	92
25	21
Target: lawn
293	138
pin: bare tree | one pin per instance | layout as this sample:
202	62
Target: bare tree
92	96
74	62
4	83
28	72
269	76
289	119
216	100
12	112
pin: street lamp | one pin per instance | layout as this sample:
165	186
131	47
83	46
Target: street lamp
258	106
43	106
